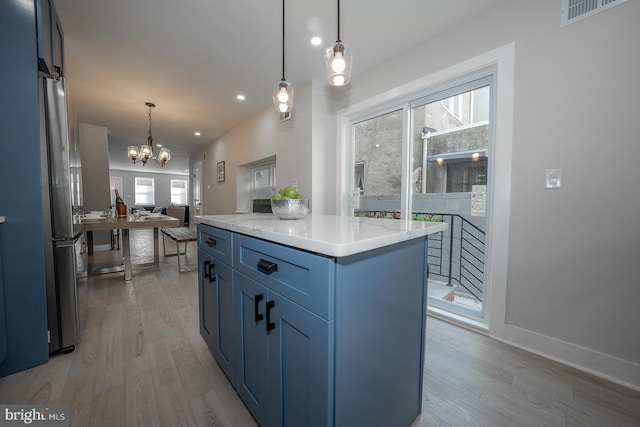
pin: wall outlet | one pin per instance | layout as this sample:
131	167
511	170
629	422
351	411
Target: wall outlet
553	178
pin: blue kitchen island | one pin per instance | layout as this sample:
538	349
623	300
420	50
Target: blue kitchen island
318	321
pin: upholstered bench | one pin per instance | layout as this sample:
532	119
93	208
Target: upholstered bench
179	235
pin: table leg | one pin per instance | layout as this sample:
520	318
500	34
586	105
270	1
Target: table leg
156	249
178	255
89	253
89	242
126	254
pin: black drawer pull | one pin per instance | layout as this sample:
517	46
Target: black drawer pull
256	302
210	241
211	276
270	325
205	267
267	267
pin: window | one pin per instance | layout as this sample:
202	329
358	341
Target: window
179	191
263	180
144	191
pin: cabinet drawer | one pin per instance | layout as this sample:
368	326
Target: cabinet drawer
216	242
302	277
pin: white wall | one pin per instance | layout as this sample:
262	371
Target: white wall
94	157
162	185
572	286
258	138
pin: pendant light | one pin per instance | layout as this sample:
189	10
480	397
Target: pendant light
338	59
146	151
283	90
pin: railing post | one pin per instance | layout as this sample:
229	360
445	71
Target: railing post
450	248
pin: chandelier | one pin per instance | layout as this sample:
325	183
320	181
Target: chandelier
146	151
283	90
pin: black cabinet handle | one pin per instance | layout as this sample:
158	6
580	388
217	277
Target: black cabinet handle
211	276
270	325
205	267
256	301
267	267
210	241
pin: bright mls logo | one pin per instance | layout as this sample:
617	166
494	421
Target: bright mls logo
37	415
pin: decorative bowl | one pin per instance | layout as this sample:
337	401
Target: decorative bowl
290	208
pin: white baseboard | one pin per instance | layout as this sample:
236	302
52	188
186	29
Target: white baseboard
602	365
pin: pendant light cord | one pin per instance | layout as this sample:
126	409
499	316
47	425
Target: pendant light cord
339	22
283	40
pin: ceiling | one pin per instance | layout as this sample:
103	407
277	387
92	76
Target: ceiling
192	57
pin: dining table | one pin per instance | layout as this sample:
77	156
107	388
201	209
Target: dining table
131	221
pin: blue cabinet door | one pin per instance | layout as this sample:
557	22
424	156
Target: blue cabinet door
3	321
220	285
300	366
251	345
215	294
205	297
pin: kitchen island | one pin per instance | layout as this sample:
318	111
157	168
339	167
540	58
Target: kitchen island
318	321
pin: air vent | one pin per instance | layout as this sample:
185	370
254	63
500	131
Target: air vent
574	10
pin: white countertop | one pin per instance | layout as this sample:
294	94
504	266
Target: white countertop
331	235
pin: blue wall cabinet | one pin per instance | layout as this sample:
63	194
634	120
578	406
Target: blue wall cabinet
321	341
22	232
3	322
50	39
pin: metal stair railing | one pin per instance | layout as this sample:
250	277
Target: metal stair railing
463	263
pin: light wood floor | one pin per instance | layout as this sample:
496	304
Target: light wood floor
142	362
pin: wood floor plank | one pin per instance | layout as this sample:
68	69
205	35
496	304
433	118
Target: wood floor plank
110	363
108	406
78	395
140	395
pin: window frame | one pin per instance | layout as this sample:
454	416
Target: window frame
502	59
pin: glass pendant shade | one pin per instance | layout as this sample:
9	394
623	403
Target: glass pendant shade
164	156
133	153
338	59
283	96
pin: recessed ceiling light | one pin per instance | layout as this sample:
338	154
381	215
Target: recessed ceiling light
240	97
316	41
158	145
196	133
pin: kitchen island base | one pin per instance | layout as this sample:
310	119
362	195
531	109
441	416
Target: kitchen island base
316	340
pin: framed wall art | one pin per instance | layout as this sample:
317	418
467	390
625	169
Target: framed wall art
221	171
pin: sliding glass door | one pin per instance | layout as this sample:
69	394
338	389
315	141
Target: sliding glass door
429	159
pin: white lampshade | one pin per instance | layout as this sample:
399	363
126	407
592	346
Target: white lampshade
283	96
338	59
133	152
164	156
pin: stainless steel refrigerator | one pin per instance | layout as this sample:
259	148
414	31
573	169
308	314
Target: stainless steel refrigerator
58	206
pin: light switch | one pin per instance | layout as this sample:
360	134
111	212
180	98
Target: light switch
553	178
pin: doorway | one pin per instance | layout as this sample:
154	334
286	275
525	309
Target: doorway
198	208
